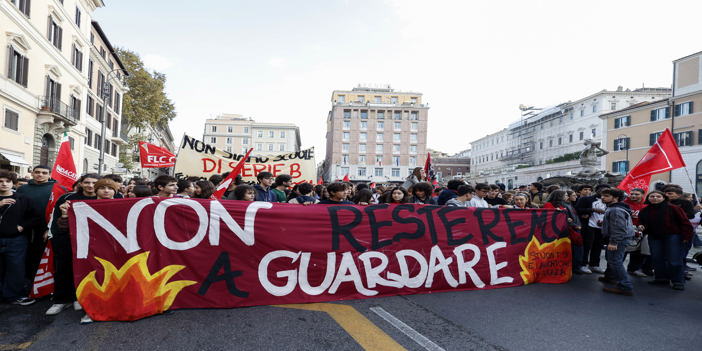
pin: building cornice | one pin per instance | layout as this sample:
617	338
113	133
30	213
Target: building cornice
634	108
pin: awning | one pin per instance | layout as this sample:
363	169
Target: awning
15	160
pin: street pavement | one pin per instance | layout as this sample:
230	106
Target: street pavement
572	316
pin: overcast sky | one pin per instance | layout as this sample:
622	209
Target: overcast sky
279	61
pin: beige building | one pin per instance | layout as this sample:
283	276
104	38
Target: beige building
47	81
236	134
632	131
375	135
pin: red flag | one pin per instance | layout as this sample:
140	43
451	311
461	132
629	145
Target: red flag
320	181
153	156
44	279
429	168
372	185
346	178
224	185
663	156
65	174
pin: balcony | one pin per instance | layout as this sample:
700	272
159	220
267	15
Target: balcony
55	111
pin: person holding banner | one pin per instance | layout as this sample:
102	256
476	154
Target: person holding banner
166	186
421	194
243	192
337	195
16	214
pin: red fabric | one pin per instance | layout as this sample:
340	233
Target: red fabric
224	185
576	237
663	156
223	254
346	178
44	279
636	207
153	156
320	181
64	170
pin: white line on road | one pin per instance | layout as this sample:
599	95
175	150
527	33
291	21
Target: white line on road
406	329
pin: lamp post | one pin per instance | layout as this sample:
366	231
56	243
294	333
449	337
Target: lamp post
104	94
622	137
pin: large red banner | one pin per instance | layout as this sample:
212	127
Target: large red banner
139	257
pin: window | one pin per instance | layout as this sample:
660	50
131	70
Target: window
396	160
621	167
594	132
550	143
228	148
660	114
98	111
260	134
378	172
683	138
11	120
378	159
364	125
395	172
570	138
582	112
23	6
347	124
378	148
107	145
362	171
341	98
377	99
413	138
18	67
699	136
413	149
621	144
395	148
379	137
396	116
380	125
414	126
362	159
414	116
90	73
594	108
361	148
55	33
582	135
541	145
118	98
246	130
346	136
345	147
380	115
344	159
75	107
622	122
397	126
363	136
97	141
282	134
396	137
613	106
214	129
72	142
270	146
344	170
90	106
393	100
213	140
347	114
100	80
271	134
102	52
77	17
230	129
413	161
653	137
259	146
364	114
413	100
229	140
683	109
361	99
244	141
560	140
88	136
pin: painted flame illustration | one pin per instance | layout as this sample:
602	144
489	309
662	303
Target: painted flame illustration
131	292
546	263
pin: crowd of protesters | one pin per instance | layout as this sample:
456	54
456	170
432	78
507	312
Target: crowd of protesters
656	229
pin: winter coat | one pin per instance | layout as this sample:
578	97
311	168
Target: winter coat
265	195
617	224
21	213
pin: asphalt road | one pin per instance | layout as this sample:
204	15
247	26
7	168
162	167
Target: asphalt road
572	316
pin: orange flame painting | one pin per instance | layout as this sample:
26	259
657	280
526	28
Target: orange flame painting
546	263
131	292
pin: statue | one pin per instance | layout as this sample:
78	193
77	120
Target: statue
589	158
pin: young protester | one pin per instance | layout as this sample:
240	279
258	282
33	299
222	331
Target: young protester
306	195
118	180
185	189
481	191
64	288
464	194
398	195
640	263
571	197
450	191
493	199
674	193
537	197
243	192
378	194
591	210
17	218
203	189
558	199
364	197
165	186
141	191
282	183
668	229
263	188
619	229
320	192
421	194
337	194
522	200
508	196
418	175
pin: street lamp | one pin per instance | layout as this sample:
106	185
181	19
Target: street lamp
625	139
105	93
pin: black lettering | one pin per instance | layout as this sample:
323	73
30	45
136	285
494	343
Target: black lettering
513	239
538	221
188	141
345	229
227	276
279	158
430	220
407	220
561	232
485	227
450	224
375	225
209	149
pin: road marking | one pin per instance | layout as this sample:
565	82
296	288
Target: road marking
407	330
366	334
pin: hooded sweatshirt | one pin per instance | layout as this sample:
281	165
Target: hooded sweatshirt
21	213
617	224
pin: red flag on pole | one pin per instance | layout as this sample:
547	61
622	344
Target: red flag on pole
429	168
663	156
224	185
153	156
320	181
346	178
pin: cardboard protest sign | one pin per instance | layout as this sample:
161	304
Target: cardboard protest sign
139	257
199	159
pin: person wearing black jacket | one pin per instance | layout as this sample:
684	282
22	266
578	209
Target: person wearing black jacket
674	193
591	232
16	215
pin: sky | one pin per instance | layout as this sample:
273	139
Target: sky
474	62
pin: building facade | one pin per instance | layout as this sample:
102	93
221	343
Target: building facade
237	134
375	135
632	131
48	84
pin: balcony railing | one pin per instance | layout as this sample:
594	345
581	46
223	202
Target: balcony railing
57	107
